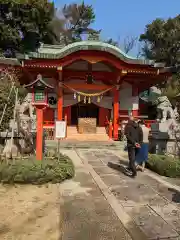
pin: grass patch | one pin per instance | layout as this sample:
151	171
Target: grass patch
31	171
164	165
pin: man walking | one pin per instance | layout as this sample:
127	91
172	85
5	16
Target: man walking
134	137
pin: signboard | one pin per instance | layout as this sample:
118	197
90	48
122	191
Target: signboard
60	129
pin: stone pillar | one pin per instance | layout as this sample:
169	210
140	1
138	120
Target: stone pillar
116	113
135	101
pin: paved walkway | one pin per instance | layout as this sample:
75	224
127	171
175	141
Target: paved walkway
143	208
85	213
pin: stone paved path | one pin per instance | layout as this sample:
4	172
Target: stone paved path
85	214
153	206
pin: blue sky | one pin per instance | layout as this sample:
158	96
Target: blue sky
121	18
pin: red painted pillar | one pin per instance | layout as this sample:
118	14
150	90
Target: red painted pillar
39	134
67	111
110	130
135	93
116	114
60	104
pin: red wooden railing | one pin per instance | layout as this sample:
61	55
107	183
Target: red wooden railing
49	124
49	129
109	128
149	122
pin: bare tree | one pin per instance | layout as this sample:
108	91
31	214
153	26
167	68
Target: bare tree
129	43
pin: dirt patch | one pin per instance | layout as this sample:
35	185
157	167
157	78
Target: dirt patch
29	212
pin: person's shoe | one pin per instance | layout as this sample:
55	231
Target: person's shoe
134	175
137	167
128	169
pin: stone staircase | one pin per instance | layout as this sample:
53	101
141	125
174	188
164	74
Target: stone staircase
100	135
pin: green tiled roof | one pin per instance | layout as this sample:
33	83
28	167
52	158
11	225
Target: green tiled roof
59	51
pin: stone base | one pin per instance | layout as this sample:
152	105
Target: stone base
162	139
163	146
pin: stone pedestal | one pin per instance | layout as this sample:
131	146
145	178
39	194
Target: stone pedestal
163	140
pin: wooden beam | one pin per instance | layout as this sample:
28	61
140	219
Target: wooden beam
60	71
96	74
87	86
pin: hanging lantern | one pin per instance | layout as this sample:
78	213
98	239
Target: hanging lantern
79	98
85	99
74	95
98	99
89	100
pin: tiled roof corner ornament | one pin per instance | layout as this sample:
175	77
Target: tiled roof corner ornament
39	77
94	36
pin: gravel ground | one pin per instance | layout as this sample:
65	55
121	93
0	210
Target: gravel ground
29	212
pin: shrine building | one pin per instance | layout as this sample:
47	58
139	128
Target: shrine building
86	80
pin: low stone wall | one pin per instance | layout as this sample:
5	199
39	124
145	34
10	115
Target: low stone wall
87	125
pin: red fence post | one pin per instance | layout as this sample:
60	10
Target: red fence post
110	129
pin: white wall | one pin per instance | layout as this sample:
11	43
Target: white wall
125	97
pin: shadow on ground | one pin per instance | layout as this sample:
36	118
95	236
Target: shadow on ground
119	167
175	195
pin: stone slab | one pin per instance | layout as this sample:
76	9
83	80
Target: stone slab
85	213
157	201
105	170
152	224
113	180
163	190
133	194
170	213
97	163
87	182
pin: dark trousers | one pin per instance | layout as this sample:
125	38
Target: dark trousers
132	151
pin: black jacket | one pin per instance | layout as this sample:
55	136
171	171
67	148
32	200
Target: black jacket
133	134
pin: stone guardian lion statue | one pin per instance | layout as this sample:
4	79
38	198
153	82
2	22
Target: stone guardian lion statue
163	106
164	109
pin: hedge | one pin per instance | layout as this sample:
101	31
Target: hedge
31	171
164	165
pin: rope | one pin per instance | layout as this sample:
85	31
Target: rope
14	118
4	110
88	94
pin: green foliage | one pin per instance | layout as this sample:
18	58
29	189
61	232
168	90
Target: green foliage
162	41
30	171
76	19
23	24
162	44
164	165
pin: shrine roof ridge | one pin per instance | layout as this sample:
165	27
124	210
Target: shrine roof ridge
10	61
58	51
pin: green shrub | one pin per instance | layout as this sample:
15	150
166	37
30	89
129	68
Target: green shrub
31	171
164	165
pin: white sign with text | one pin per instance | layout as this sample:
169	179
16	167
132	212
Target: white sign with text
60	129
